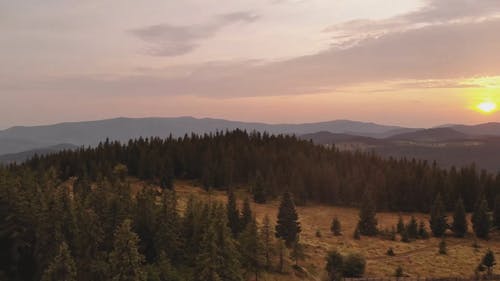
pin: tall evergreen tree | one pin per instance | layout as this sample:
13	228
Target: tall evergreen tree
167	237
412	228
367	217
282	251
488	261
251	249
288	226
422	231
230	269
297	253
62	268
233	214
459	226
125	259
438	221
496	212
266	237
400	225
246	214
208	261
481	222
336	227
259	190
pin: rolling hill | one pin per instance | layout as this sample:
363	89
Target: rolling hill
123	129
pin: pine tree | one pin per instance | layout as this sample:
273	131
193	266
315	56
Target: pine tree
233	214
125	259
488	261
297	252
259	190
228	255
334	266
167	236
422	231
412	228
496	212
246	214
459	226
442	247
208	262
336	227
367	221
400	225
282	251
438	217
62	268
251	249
481	219
267	240
288	227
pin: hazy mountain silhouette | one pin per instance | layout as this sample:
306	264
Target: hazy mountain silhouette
449	145
123	129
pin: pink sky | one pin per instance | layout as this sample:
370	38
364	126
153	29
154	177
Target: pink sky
411	63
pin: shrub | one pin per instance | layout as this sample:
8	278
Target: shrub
390	252
354	265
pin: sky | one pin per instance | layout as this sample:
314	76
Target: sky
418	63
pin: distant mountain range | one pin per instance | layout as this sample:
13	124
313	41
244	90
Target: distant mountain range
476	143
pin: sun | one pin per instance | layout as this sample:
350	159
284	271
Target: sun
487	107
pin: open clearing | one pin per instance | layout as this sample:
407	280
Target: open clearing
419	258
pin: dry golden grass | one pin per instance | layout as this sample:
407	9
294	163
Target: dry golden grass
419	258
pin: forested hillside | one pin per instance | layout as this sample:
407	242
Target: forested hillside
73	214
269	165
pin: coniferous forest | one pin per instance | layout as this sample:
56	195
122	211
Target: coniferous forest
96	229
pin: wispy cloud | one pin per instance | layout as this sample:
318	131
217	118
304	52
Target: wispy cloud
173	40
435	12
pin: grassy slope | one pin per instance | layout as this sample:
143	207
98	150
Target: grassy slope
419	258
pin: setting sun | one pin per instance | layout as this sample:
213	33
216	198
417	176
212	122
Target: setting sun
487	107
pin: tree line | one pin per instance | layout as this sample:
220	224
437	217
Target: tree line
272	164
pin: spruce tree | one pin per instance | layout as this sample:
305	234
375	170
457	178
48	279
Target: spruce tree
233	214
288	226
481	219
208	261
167	237
422	231
496	212
488	261
246	214
412	228
367	221
230	267
438	217
336	227
259	190
125	259
62	268
459	226
282	251
334	266
267	240
251	249
400	225
297	252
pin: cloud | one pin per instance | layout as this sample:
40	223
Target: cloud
441	53
174	40
435	12
453	51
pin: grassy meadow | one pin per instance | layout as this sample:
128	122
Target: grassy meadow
419	258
